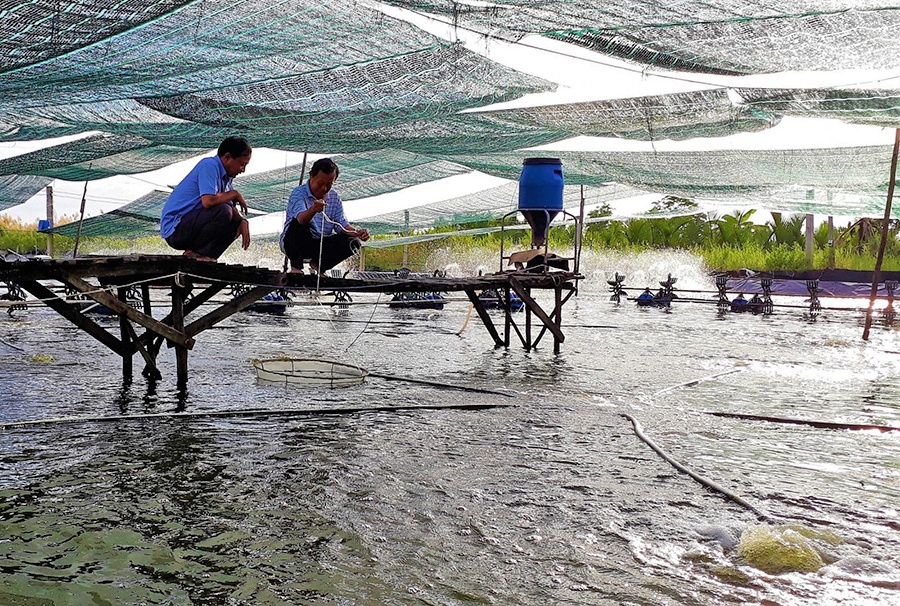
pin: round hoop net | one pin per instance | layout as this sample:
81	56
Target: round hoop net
302	371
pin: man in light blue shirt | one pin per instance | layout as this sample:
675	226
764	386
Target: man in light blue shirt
201	217
315	228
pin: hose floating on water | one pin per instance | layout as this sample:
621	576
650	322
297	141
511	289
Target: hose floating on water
439	384
700	380
819	424
252	412
708	483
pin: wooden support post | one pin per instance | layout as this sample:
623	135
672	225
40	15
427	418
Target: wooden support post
72	314
51	218
104	298
830	242
485	318
518	332
558	311
528	323
125	335
181	352
553	315
150	370
507	314
145	297
533	305
148	338
232	307
876	277
809	239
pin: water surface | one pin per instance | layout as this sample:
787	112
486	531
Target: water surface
553	500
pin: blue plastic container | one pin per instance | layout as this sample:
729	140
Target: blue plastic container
541	184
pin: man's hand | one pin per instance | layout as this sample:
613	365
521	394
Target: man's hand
238	200
317	206
362	234
244	231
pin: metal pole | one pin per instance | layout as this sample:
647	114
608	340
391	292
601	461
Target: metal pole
830	242
80	220
302	170
809	239
876	276
50	218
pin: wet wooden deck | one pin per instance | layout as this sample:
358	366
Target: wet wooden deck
107	280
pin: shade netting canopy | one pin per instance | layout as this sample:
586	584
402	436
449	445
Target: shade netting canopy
146	84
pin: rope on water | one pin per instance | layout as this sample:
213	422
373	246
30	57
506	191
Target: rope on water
708	483
252	412
696	381
443	385
107	289
466	323
819	424
372	315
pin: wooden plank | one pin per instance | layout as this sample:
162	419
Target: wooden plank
190	305
150	370
553	315
558	297
132	314
181	353
507	316
485	317
125	335
73	315
515	327
533	305
232	307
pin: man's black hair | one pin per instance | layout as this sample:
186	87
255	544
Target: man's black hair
324	165
236	146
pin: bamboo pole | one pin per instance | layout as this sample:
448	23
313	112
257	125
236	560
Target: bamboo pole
80	220
52	218
884	233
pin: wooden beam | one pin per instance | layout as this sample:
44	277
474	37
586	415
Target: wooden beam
533	306
125	335
554	314
233	306
485	317
885	229
72	314
558	297
104	298
150	369
181	353
189	306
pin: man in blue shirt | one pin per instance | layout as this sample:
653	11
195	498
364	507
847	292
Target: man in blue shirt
201	216
315	228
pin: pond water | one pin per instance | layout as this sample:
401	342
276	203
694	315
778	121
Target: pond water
551	499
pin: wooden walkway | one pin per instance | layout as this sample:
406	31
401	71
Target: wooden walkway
113	277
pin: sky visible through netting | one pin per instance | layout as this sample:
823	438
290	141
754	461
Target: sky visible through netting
405	93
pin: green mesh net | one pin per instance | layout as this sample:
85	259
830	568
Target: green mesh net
160	80
15	189
731	37
708	113
484	205
95	157
135	219
361	176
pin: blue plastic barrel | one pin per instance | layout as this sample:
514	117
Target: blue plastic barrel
541	184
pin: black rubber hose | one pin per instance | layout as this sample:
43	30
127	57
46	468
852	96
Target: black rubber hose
708	483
